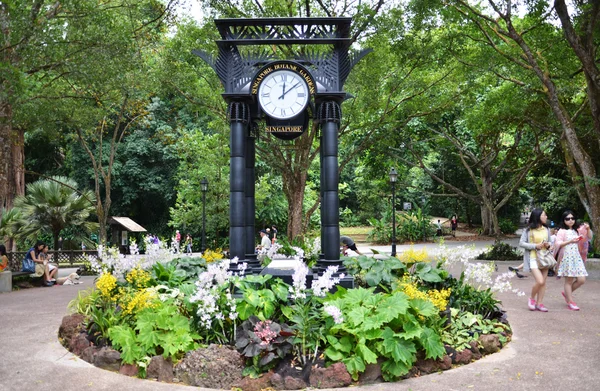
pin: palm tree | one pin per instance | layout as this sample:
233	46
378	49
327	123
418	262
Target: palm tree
7	219
51	205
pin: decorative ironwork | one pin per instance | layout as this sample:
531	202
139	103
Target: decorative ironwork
238	112
329	111
235	66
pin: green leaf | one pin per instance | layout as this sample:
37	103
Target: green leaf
358	315
355	297
395	368
367	354
354	365
423	307
373	278
252	297
431	342
124	337
400	349
281	291
334	354
245	310
411	330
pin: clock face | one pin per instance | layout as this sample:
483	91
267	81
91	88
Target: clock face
283	94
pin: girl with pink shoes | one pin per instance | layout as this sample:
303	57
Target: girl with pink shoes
536	237
568	249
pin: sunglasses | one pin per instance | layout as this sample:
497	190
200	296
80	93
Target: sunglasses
569	218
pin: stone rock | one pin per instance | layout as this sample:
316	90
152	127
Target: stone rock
160	369
276	381
108	358
78	343
428	365
475	349
129	370
70	326
212	367
262	383
450	351
490	343
333	376
445	363
371	374
464	357
89	354
292	383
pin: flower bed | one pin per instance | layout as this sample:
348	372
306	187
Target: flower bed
180	319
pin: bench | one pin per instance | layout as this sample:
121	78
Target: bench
7	277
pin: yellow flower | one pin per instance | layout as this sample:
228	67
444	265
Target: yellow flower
138	278
141	299
413	256
212	256
438	298
106	284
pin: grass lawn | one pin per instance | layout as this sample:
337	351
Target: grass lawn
349	231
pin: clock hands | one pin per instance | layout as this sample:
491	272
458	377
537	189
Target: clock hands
285	92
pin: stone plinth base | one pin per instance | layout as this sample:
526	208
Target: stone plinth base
6	281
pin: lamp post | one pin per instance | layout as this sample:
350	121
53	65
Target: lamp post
204	188
393	179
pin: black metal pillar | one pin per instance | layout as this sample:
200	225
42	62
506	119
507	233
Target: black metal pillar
238	116
393	219
250	200
329	115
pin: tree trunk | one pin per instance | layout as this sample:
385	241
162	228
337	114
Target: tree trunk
294	191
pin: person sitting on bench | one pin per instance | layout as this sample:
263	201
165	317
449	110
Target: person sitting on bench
35	265
52	268
3	259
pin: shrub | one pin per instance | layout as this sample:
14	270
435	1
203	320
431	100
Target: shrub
507	226
501	251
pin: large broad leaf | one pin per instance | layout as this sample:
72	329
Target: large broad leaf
355	297
395	368
354	365
245	310
374	321
423	307
401	350
281	291
434	348
268	310
393	306
252	297
334	354
373	277
411	330
367	354
366	262
358	315
149	339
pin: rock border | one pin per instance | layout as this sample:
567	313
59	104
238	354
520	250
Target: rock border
199	367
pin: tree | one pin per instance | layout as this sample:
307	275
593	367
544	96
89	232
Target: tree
533	45
51	205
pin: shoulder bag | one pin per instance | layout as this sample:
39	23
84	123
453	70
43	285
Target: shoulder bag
545	259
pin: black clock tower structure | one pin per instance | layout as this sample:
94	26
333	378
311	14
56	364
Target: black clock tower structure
287	92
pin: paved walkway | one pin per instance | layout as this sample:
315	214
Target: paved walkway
558	350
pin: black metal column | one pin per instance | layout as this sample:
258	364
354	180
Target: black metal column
329	115
250	200
238	115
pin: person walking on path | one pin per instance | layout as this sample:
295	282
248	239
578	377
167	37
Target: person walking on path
453	225
348	242
177	242
536	237
571	262
188	244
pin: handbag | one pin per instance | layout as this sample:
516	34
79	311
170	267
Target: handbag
545	259
28	265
